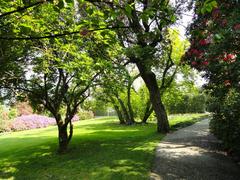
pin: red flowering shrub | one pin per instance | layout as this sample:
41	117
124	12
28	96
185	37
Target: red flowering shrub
214	50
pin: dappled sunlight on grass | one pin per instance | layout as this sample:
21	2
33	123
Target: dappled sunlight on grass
100	149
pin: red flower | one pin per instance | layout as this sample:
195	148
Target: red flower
225	59
230	56
205	63
203	42
236	27
194	63
196	52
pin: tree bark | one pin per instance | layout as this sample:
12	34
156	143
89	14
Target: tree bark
151	82
62	138
148	112
119	113
70	131
130	110
125	112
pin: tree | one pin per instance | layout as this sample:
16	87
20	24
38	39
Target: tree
57	73
116	88
146	22
140	27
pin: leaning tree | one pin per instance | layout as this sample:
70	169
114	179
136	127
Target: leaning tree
142	37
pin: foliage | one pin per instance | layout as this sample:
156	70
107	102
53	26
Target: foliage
69	47
83	114
6	116
98	107
23	108
101	149
56	73
26	122
215	51
33	121
183	120
184	97
225	123
143	40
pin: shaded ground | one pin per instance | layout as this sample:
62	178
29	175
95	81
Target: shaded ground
192	153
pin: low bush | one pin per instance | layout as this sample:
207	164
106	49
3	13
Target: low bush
26	122
7	114
82	115
34	121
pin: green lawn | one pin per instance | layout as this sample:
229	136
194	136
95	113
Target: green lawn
100	149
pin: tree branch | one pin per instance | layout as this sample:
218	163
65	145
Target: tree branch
19	9
61	34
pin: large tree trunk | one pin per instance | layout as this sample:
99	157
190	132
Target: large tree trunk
151	82
62	138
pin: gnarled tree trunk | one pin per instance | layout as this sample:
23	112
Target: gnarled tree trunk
151	82
62	138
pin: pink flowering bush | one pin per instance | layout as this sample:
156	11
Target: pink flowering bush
33	121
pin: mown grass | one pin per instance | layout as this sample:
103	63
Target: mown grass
100	149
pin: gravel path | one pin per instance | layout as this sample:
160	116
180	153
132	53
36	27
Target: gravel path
192	153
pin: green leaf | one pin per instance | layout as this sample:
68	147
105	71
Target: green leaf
56	8
60	4
214	4
128	10
208	6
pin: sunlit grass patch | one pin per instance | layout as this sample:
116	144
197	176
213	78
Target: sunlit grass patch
100	149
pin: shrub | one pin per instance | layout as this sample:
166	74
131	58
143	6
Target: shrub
6	116
82	115
215	52
33	121
188	104
225	123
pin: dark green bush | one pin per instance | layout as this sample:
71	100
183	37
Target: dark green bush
225	123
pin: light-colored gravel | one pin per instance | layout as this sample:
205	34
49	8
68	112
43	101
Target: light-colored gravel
192	153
